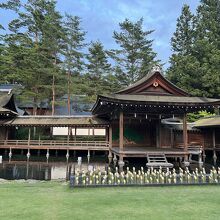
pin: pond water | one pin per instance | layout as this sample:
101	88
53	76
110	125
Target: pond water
42	170
39	169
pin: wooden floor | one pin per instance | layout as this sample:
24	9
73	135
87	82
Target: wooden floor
143	151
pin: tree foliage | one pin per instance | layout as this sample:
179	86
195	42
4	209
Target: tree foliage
195	64
47	54
135	56
73	63
31	48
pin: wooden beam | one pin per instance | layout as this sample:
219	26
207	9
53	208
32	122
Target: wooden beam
121	131
185	135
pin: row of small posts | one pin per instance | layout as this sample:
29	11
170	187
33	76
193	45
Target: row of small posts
47	155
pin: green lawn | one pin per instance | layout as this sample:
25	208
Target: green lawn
57	201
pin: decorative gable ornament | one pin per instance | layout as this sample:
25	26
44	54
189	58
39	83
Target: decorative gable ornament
156	68
155	84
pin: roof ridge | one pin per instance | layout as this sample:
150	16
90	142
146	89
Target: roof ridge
155	70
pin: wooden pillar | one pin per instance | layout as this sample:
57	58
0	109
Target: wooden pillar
88	156
121	162
75	134
214	145
10	154
6	134
121	131
47	155
121	141
213	138
68	136
185	136
158	134
71	133
28	154
171	138
110	137
106	134
67	155
110	144
29	136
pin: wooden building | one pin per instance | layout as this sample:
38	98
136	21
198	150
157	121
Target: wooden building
135	115
210	129
8	110
133	120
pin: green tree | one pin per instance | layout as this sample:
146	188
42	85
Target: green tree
52	35
207	46
135	56
99	70
183	64
31	47
73	44
196	50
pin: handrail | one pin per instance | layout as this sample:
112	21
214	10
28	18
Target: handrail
55	143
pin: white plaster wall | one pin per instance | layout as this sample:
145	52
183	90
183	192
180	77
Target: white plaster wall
63	131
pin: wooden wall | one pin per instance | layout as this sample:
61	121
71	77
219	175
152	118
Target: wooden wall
194	137
208	137
136	133
2	133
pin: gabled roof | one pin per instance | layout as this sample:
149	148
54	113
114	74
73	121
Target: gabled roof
213	121
7	104
160	99
153	94
55	121
6	111
5	98
154	83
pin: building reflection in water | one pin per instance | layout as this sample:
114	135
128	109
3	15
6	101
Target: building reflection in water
42	171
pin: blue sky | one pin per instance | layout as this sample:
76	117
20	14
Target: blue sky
101	17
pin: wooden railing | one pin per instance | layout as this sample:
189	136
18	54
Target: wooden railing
55	143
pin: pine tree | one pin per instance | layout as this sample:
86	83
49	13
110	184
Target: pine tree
52	35
207	46
135	56
29	59
195	62
73	44
184	65
99	70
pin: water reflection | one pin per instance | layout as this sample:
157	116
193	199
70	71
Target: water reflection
43	171
61	170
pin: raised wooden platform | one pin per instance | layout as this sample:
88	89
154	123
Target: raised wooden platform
144	151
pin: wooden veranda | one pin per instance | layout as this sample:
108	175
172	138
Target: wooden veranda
132	118
70	141
139	109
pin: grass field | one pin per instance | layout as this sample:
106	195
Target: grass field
51	200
